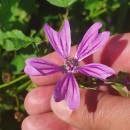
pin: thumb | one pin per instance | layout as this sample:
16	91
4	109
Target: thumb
97	111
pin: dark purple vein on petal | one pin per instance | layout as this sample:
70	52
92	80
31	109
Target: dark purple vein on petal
67	47
54	45
62	46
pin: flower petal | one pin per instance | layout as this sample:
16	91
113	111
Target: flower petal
60	41
96	70
39	67
92	41
67	89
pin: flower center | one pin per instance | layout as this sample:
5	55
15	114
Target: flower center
70	65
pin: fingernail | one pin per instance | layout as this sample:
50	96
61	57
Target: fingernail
61	109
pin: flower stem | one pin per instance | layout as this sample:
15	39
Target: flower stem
17	101
37	50
65	17
67	13
14	81
23	86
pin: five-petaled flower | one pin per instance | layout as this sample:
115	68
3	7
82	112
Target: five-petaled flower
67	87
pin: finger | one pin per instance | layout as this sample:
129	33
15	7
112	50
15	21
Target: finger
38	100
97	111
116	54
47	121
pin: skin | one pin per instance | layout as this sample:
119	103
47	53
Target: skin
103	109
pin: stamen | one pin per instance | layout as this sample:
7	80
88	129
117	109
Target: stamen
70	65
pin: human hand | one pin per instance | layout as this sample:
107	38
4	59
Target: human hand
98	110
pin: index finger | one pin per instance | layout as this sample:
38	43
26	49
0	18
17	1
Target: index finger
115	54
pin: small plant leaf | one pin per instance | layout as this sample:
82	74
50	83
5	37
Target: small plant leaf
18	62
62	3
15	40
119	88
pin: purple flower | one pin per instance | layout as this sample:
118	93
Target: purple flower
67	87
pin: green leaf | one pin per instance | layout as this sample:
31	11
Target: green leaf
94	4
62	3
95	7
85	87
15	40
22	108
119	88
4	107
11	15
36	39
18	64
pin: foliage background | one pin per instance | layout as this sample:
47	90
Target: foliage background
22	36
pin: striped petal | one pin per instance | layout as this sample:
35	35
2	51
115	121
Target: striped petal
67	89
92	41
96	70
60	41
39	67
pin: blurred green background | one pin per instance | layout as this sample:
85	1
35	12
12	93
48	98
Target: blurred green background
22	36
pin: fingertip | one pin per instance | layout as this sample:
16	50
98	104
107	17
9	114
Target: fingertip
25	124
46	121
38	100
61	109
